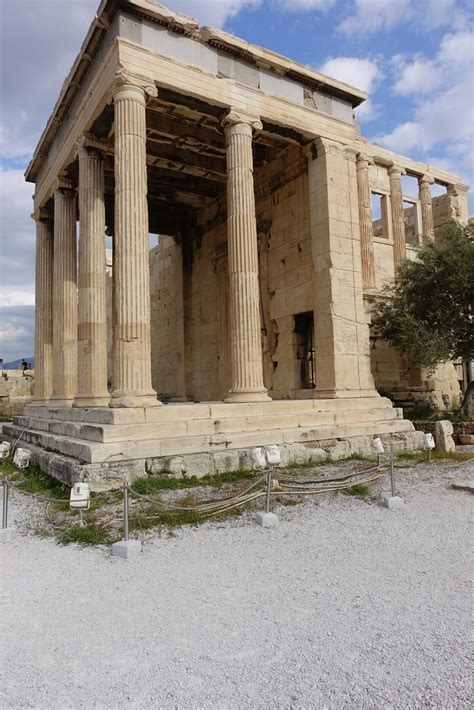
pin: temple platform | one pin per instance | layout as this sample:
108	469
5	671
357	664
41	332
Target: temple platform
107	446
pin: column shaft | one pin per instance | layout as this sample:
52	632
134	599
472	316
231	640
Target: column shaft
398	217
92	320
132	349
365	222
246	381
427	224
64	296
43	387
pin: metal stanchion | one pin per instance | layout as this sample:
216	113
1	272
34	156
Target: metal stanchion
393	501
269	490
6	534
125	511
5	503
392	475
126	547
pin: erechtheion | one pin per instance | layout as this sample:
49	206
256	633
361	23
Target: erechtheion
257	329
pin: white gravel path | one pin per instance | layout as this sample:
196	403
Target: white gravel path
344	605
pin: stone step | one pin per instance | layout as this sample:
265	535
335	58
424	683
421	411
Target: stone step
208	410
202	427
96	452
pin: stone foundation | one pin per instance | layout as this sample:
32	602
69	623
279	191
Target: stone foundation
110	445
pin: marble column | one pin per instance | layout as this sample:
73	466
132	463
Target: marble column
246	366
92	306
395	173
131	369
64	295
427	224
365	221
43	387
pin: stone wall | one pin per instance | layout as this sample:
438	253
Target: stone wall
16	391
189	314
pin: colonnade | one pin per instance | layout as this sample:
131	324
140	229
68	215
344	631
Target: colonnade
71	311
395	173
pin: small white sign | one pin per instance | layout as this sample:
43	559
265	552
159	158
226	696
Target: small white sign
80	496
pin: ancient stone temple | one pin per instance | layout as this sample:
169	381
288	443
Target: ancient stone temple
255	326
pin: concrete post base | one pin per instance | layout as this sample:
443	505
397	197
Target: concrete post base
267	520
126	548
393	502
7	534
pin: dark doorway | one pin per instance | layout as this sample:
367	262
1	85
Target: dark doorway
305	353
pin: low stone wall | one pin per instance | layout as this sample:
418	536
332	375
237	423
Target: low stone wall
16	391
460	428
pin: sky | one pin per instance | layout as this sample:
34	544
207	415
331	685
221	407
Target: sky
415	58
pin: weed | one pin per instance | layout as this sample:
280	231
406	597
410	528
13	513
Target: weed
89	534
359	490
422	456
164	482
188	501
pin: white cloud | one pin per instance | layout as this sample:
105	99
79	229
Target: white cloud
369	16
419	76
322	5
364	74
212	12
361	73
441	123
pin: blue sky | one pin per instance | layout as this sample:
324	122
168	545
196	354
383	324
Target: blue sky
415	58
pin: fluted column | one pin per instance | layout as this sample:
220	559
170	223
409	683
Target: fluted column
427	224
131	370
64	295
246	366
398	217
43	387
365	221
92	306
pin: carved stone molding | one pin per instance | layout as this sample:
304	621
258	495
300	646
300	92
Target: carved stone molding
395	170
236	117
125	78
90	142
67	187
42	214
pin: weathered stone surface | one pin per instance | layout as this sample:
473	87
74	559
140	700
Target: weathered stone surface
444	436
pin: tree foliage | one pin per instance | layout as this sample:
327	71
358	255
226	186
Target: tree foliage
428	313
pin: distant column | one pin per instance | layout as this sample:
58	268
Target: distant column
365	221
92	320
64	295
398	217
427	224
246	366
131	376
43	386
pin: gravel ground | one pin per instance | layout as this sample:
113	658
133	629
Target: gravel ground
344	605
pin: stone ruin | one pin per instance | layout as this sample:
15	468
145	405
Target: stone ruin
254	327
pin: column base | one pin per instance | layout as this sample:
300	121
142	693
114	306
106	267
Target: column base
102	401
234	397
133	401
59	402
40	402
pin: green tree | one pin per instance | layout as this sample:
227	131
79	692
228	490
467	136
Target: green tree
428	313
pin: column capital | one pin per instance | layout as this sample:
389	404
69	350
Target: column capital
42	214
428	179
396	170
236	117
64	186
365	160
458	189
89	143
324	146
125	79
